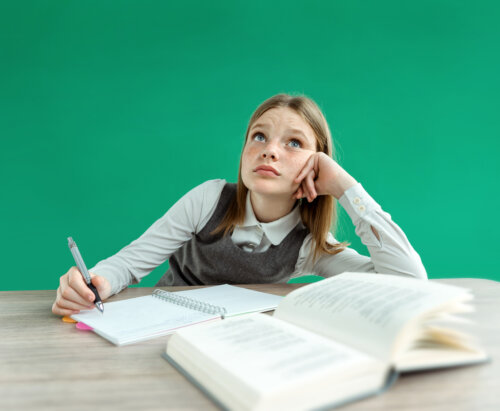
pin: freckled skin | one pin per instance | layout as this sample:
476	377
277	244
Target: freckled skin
274	145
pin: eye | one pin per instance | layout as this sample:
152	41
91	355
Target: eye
295	143
259	137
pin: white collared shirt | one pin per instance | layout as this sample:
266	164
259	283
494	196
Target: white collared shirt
255	236
391	254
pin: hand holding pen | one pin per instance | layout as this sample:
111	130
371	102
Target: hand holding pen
74	294
83	269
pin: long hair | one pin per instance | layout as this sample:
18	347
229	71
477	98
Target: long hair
320	215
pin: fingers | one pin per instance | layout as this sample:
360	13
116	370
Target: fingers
102	284
73	294
306	169
309	184
77	283
298	194
68	298
65	304
62	311
307	187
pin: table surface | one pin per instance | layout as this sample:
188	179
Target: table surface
48	364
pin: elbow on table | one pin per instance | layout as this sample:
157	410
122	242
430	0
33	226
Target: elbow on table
419	272
414	269
418	269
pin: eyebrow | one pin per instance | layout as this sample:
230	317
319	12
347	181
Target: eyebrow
293	130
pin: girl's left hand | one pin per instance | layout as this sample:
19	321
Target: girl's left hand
321	175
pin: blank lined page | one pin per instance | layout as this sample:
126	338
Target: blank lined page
236	300
140	318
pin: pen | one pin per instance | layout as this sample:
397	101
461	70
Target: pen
83	269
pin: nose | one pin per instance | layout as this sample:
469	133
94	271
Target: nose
270	152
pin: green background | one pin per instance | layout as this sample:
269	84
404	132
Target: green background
112	110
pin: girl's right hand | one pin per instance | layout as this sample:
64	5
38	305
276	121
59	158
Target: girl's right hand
74	295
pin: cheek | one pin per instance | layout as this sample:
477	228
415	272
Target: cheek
299	162
244	159
248	155
246	162
245	168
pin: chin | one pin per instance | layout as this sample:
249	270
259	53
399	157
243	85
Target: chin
271	186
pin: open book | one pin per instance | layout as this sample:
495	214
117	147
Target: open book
328	343
142	318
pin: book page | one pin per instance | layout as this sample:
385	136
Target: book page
366	310
265	353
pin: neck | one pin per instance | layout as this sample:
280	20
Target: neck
269	208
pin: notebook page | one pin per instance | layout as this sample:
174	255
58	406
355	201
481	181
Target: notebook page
138	317
236	300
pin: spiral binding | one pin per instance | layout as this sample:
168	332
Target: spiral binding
189	303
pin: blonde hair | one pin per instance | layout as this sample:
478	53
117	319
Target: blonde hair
320	215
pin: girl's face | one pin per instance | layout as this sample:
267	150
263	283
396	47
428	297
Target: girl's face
278	146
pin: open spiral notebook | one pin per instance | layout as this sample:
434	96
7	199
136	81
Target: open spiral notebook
162	312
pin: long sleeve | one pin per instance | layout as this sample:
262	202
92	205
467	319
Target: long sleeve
185	218
392	253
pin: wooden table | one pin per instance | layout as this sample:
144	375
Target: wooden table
46	364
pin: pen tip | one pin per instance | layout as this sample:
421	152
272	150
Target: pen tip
100	306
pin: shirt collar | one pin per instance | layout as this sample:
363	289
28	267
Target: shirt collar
276	230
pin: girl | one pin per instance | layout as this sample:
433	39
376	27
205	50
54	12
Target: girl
271	226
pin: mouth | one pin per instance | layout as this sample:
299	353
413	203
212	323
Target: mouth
266	170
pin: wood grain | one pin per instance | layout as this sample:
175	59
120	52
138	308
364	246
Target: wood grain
47	364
